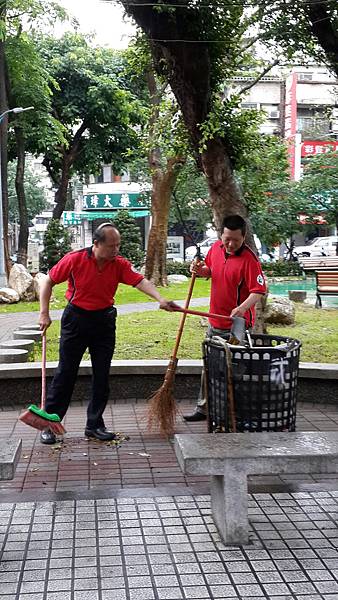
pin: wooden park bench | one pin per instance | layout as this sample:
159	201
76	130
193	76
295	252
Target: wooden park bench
318	264
10	451
326	284
230	457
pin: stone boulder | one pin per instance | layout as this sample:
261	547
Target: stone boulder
177	278
279	311
37	281
22	282
8	296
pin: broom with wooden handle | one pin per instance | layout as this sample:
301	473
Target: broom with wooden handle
37	417
162	407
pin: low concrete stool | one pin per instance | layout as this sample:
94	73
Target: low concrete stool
19	344
28	327
10	451
13	355
297	295
27	334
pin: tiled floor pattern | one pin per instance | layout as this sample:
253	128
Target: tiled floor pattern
167	548
146	460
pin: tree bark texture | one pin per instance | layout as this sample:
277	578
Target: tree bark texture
69	156
163	176
61	193
163	181
20	192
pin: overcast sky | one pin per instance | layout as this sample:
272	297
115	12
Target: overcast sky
103	18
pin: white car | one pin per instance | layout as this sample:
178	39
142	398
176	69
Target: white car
319	246
190	252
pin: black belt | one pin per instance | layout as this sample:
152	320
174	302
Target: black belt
84	311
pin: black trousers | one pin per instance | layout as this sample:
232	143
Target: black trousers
82	329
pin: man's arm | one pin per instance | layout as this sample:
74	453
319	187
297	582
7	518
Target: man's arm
45	295
240	310
148	288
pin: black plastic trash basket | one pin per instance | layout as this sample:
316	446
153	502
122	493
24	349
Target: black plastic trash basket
264	379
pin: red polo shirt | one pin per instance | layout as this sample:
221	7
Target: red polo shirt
88	287
233	278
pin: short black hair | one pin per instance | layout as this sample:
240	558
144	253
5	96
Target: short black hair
234	222
99	234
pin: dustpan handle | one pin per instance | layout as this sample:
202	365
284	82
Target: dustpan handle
43	371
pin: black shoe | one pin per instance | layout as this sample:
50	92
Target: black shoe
100	433
196	416
47	437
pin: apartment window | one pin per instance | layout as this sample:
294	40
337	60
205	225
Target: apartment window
250	106
305	76
107	174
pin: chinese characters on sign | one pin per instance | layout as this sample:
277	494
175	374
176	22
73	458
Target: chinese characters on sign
116	201
310	148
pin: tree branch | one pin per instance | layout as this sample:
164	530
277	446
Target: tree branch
259	77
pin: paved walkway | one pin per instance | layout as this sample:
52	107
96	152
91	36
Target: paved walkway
9	322
85	520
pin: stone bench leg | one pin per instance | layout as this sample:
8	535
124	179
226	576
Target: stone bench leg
229	505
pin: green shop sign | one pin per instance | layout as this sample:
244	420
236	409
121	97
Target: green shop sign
116	201
71	217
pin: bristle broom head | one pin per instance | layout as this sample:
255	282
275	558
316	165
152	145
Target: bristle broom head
39	419
162	408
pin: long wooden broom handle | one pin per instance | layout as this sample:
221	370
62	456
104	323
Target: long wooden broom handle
202	314
43	371
184	316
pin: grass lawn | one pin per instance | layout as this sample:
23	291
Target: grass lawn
151	335
125	295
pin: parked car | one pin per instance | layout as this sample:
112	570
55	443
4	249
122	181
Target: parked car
319	246
205	246
190	252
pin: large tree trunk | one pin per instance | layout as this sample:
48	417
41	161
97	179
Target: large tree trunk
20	192
187	66
223	188
163	181
61	193
3	138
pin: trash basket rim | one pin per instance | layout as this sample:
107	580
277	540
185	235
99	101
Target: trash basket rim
289	343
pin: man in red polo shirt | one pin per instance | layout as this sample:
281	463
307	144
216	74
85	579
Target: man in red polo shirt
88	321
237	283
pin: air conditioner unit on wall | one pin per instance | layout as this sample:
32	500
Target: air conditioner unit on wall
274	114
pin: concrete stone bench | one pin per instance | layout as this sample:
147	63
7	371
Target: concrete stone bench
10	451
230	457
13	355
19	344
31	334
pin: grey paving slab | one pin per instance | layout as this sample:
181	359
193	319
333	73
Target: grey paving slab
265	568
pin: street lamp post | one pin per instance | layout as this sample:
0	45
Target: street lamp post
3	276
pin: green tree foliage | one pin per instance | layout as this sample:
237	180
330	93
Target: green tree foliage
190	199
299	28
98	116
268	192
35	197
56	242
131	240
